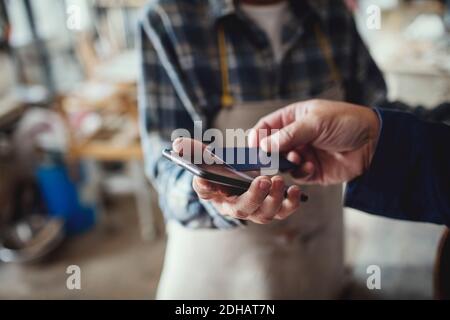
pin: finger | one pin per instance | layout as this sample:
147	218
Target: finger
290	204
304	170
277	119
188	148
290	137
253	140
257	134
272	121
184	144
194	151
204	189
208	190
294	157
252	199
308	170
272	203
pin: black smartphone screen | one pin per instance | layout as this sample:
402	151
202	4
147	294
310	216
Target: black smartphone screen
220	173
227	171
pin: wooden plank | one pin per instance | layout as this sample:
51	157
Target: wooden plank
106	152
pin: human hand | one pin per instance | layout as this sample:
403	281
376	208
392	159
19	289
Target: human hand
263	202
332	142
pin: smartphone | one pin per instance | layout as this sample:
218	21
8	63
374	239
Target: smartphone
251	159
220	173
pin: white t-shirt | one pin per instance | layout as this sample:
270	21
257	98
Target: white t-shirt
270	19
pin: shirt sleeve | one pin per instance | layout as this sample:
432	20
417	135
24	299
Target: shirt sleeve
160	112
409	176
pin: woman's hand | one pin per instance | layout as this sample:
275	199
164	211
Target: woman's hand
263	202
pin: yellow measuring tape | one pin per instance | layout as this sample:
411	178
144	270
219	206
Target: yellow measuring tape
226	99
327	50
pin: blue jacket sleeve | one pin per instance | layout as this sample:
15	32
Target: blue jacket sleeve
409	177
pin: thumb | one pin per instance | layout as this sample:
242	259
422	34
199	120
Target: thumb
290	137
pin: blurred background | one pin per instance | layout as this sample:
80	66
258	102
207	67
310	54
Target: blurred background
72	187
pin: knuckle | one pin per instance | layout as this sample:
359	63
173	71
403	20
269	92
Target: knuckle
200	192
239	213
262	220
284	214
256	198
315	103
272	205
293	204
281	216
201	195
287	135
276	196
261	123
206	196
254	201
291	208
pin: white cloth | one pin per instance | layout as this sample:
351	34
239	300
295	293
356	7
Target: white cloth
270	19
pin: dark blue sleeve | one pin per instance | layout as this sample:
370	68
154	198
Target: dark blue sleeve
409	177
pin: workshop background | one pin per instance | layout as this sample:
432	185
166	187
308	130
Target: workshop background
72	187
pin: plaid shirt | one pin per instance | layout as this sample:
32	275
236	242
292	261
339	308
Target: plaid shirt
186	31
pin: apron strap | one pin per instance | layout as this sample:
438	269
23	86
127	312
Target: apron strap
327	50
227	99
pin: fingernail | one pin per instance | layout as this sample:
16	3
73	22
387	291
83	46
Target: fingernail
264	185
176	143
295	191
278	183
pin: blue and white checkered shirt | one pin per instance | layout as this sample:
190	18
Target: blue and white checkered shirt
186	31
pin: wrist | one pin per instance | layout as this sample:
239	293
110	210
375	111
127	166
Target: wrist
374	129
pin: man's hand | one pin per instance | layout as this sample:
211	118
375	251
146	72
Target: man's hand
263	202
332	142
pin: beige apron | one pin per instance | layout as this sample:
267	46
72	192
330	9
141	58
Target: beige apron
298	258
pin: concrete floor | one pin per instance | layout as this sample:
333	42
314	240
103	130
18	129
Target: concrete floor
404	251
115	264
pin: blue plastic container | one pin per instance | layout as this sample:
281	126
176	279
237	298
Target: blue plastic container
62	200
